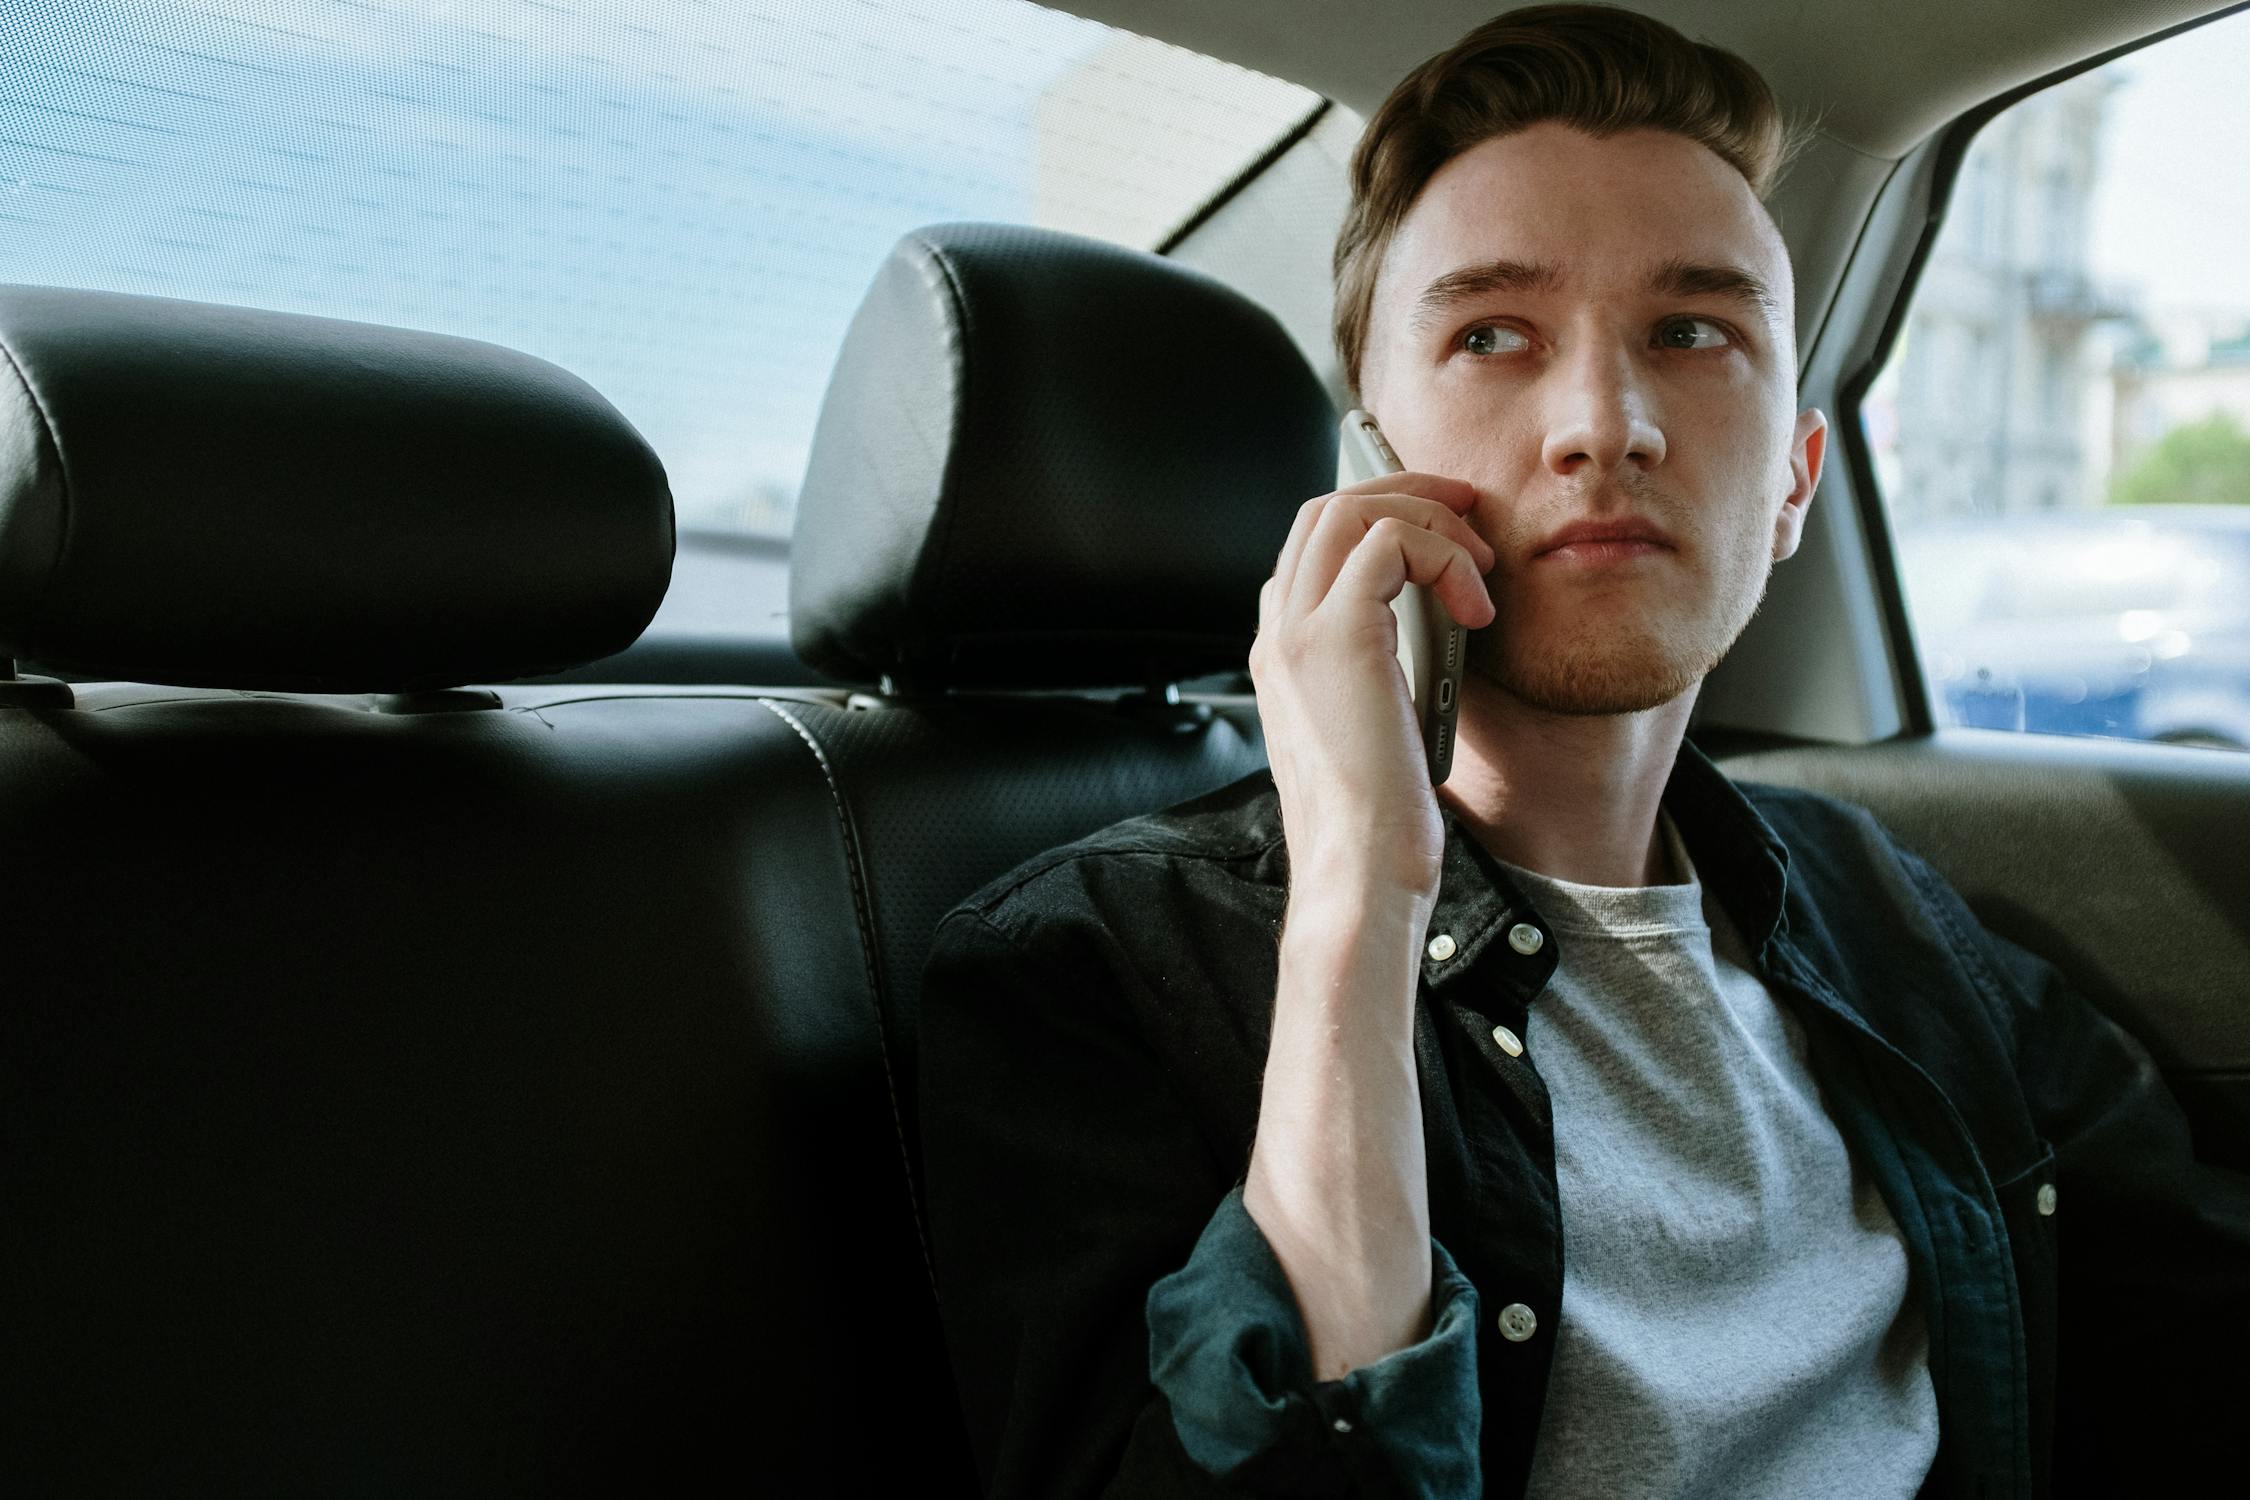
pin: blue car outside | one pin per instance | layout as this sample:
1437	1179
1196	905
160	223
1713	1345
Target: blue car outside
2129	622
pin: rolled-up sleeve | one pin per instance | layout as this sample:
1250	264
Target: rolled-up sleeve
1227	1347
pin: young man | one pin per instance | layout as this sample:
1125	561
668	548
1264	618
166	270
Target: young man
1599	1127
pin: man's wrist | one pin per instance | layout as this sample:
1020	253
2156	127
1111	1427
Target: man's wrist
1350	886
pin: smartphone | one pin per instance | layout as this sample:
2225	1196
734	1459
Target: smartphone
1432	645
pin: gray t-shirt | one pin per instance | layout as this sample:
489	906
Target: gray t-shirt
1736	1317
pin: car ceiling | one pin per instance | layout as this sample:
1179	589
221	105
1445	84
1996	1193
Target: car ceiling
1879	76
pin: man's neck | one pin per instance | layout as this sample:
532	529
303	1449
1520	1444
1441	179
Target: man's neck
1574	797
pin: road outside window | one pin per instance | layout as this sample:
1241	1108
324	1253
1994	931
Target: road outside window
2062	433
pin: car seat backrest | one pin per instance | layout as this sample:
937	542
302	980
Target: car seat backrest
412	1102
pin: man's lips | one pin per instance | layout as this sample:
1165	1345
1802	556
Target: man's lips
1604	541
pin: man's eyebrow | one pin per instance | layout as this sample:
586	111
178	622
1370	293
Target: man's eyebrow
1674	278
1464	282
1681	278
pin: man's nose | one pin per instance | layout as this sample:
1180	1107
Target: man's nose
1600	414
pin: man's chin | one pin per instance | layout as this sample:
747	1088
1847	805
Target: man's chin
1596	683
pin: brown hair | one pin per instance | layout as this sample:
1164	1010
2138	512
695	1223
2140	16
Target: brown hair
1595	67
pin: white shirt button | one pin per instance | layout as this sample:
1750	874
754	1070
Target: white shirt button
1517	1323
1525	938
1509	1042
1441	947
2046	1198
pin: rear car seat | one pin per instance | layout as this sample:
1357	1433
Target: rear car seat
414	1087
403	1087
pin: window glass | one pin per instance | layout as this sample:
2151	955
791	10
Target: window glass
2062	433
680	201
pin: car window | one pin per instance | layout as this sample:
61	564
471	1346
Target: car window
2061	432
2109	567
680	202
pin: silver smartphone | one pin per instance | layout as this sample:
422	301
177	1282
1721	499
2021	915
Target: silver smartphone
1432	645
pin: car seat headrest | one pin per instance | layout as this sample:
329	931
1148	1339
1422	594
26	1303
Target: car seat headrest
221	497
1046	461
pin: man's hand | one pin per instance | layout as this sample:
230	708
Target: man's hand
1341	733
1337	1182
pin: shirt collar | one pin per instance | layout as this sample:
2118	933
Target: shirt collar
1738	856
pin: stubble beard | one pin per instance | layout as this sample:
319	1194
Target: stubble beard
1637	657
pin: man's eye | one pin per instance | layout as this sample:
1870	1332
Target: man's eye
1693	333
1489	338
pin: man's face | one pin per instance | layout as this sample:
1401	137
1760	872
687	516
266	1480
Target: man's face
1600	330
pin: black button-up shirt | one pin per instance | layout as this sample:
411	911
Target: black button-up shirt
1093	1038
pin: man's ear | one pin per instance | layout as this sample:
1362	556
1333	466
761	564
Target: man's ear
1806	449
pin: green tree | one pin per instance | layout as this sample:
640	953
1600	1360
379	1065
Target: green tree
2199	463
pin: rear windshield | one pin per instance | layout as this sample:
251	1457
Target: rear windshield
680	202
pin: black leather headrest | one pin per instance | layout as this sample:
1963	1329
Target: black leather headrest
1045	461
219	497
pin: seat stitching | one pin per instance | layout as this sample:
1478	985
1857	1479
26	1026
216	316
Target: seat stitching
866	925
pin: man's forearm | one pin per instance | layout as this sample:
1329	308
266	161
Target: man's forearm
1338	1183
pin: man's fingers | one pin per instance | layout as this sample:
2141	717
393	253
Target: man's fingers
1398	554
1346	521
1292	550
1456	495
